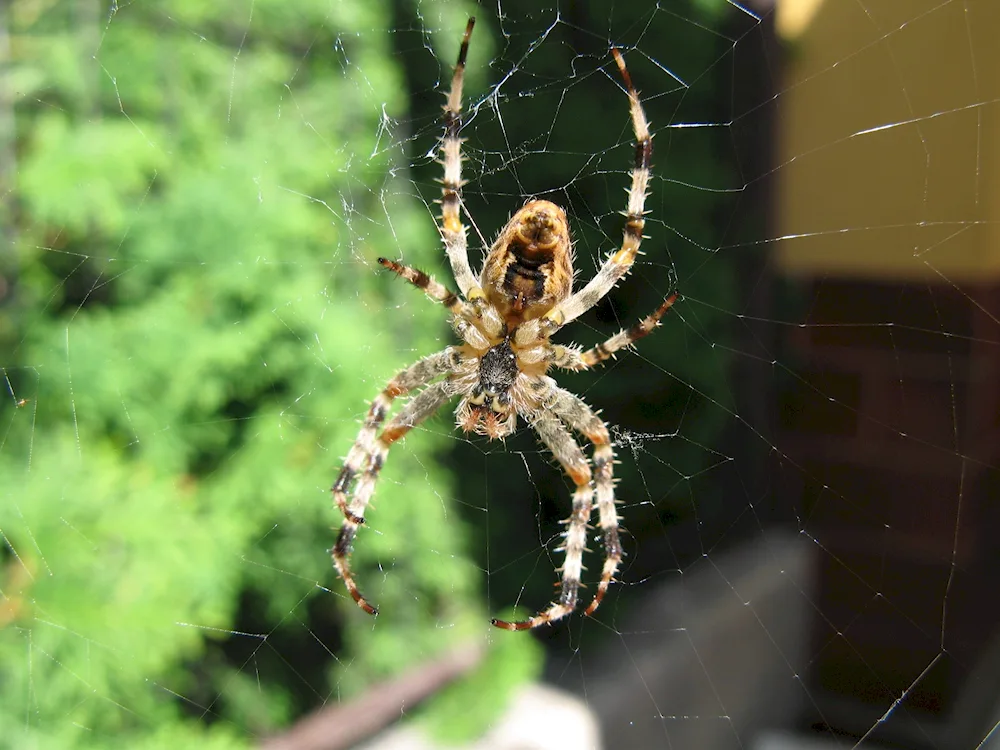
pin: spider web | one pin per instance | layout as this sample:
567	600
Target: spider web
192	324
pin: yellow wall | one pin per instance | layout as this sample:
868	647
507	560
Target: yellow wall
888	154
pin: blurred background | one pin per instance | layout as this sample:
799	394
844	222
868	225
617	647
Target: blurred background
193	322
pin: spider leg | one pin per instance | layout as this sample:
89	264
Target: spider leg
570	358
367	453
566	451
453	231
417	409
580	417
433	289
620	262
419	373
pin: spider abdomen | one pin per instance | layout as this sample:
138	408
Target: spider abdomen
529	269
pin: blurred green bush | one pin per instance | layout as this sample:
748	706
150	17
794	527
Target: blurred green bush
194	197
201	190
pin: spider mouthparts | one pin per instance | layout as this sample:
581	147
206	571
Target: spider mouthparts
484	419
490	423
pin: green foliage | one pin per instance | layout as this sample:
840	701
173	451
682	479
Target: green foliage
196	328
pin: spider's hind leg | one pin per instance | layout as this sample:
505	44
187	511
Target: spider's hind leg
453	231
620	262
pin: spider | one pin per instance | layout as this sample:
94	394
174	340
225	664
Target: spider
505	320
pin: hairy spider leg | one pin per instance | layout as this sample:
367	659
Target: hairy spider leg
620	262
468	318
453	231
569	358
581	418
367	454
433	289
560	442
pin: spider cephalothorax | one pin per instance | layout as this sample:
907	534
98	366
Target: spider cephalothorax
488	408
505	319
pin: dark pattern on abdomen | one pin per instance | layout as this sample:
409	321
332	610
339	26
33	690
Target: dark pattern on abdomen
525	278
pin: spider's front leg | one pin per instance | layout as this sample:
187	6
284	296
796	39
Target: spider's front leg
368	453
572	410
560	442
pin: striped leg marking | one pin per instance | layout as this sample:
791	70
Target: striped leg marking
580	417
618	263
453	231
628	336
427	284
559	441
571	358
368	453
